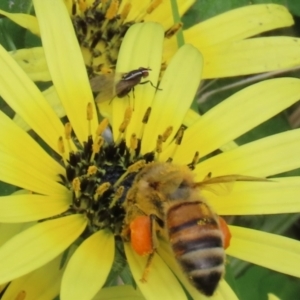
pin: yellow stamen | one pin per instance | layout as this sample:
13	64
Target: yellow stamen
131	169
125	11
105	70
101	190
136	166
112	10
195	160
173	30
133	142
178	140
153	5
146	115
144	121
96	147
89	111
89	116
21	295
179	136
126	120
82	5
92	170
68	132
133	145
117	196
61	150
102	126
167	133
159	142
76	187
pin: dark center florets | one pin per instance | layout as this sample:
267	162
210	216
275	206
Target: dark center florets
99	182
100	29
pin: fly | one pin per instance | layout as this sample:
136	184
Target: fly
123	86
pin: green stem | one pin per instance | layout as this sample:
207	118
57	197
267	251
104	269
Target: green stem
177	19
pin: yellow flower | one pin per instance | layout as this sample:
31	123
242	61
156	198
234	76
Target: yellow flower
223	40
76	190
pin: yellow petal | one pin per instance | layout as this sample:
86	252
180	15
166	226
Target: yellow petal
27	21
28	167
251	56
38	245
8	230
265	157
191	117
237	115
24	208
159	279
137	51
42	284
121	292
179	85
31	153
225	292
265	249
272	297
27	100
65	63
84	277
281	195
15	171
163	13
52	98
33	62
238	24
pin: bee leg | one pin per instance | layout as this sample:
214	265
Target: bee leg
147	267
153	219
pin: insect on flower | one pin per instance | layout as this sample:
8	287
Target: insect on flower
165	200
120	85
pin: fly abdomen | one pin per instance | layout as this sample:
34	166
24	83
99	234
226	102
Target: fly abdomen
197	243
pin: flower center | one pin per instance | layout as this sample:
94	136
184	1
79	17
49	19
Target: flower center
100	29
99	174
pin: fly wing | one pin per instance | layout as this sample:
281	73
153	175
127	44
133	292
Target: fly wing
223	185
104	86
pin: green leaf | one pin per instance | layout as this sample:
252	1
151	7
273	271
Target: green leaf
12	35
257	282
294	7
205	9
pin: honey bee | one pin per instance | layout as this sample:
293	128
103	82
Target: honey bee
165	200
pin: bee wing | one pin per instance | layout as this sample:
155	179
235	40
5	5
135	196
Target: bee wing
223	185
104	86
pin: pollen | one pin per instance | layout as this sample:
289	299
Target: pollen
100	172
112	10
100	27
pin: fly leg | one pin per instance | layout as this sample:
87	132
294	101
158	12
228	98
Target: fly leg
149	81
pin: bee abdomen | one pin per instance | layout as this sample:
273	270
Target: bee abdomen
197	243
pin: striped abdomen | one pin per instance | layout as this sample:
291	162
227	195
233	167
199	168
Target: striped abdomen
197	243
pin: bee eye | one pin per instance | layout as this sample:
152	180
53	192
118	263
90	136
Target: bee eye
183	185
